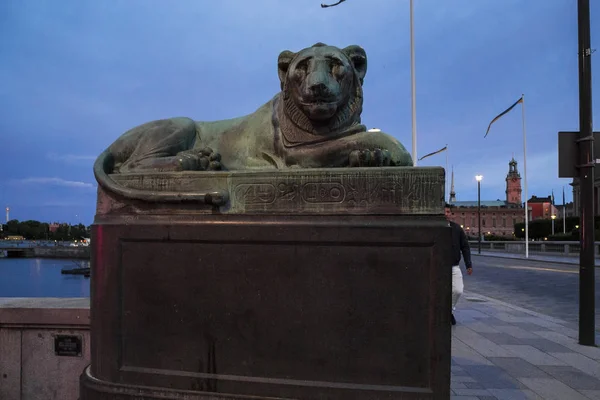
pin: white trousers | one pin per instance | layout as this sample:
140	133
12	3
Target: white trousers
457	285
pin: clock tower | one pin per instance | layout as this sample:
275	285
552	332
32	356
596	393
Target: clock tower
513	184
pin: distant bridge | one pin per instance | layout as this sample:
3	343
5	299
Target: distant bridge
21	252
80	252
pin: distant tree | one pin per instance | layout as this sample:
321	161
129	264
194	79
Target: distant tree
542	228
36	230
538	229
79	232
62	232
12	227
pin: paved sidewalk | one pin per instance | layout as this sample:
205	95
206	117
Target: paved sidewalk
504	352
533	257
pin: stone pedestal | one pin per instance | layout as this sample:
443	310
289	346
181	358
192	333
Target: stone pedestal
307	284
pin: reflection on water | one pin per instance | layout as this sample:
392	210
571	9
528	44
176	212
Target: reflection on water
41	277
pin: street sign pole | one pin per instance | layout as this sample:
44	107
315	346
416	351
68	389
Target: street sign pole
586	160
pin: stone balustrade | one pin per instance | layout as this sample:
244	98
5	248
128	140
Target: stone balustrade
44	347
539	247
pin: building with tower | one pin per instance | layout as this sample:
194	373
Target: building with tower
498	217
513	184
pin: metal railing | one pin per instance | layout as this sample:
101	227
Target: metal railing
537	247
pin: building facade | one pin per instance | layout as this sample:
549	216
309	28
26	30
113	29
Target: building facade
541	208
498	217
568	210
577	195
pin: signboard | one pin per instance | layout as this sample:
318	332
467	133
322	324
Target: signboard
568	157
67	345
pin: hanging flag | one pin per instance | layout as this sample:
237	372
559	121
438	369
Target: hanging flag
435	152
563	197
552	196
501	114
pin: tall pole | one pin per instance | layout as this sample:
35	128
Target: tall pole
525	179
413	86
564	213
479	216
447	174
586	180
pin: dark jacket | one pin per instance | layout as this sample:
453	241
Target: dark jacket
460	244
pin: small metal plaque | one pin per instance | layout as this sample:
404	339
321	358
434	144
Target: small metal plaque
67	345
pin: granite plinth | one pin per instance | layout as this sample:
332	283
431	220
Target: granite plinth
339	301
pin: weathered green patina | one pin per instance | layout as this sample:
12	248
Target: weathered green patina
314	122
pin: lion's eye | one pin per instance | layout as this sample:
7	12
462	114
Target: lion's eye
302	66
337	68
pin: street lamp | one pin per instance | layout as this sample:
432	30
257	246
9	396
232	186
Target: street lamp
553	218
479	178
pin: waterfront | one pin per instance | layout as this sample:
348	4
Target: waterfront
41	277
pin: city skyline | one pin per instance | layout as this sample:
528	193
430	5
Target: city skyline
567	188
75	77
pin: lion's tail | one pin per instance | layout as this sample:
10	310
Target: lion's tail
104	165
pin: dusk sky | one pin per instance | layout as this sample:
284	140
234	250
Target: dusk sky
74	75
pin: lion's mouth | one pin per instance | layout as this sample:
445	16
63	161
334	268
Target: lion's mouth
319	102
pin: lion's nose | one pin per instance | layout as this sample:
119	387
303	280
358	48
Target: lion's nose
319	89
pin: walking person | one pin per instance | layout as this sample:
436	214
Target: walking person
460	244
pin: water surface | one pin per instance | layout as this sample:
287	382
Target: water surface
41	277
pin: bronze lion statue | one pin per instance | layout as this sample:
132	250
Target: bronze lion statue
314	121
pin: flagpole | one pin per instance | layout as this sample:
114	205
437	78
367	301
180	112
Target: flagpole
447	174
413	87
525	179
564	213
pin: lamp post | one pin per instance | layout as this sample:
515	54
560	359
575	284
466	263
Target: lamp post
564	219
585	165
413	90
553	218
479	178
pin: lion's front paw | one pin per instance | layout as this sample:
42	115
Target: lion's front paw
370	158
204	159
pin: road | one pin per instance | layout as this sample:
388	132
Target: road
547	288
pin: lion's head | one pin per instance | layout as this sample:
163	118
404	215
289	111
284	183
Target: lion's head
322	86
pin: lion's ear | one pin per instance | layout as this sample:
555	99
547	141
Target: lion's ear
283	63
358	57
